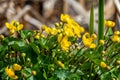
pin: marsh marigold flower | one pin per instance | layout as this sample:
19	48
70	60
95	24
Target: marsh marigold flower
88	40
65	18
16	67
65	44
10	72
14	26
109	23
103	65
116	37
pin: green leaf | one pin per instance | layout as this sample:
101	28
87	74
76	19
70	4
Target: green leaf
26	72
91	28
30	78
26	33
35	48
3	50
1	64
44	74
61	74
73	76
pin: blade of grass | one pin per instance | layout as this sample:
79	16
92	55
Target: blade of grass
91	27
101	20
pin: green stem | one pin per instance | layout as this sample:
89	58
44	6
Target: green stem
91	28
101	20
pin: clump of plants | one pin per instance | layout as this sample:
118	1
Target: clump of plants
64	52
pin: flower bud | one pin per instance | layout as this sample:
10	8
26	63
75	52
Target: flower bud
2	36
117	33
34	72
102	42
60	64
108	67
23	55
118	62
28	59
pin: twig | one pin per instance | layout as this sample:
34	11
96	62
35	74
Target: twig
33	21
117	4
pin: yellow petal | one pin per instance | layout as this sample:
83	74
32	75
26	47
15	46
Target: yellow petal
8	25
20	27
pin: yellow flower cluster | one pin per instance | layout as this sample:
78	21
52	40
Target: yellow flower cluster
14	26
109	23
11	71
65	29
49	30
116	36
88	40
71	28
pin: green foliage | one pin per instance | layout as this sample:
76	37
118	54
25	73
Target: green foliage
55	54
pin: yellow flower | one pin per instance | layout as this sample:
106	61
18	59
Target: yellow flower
68	31
59	37
94	36
92	46
54	31
14	26
65	44
115	38
109	23
65	18
16	67
47	29
117	33
88	40
37	36
10	72
102	42
103	65
60	64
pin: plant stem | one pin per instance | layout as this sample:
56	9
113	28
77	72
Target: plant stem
91	28
101	20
